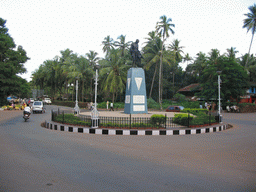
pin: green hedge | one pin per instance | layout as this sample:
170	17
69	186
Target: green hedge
182	119
200	119
157	120
71	119
70	103
194	111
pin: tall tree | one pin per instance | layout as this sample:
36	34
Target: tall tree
177	50
92	58
152	52
11	63
187	58
114	74
108	44
83	71
214	55
231	53
250	25
122	44
162	28
234	79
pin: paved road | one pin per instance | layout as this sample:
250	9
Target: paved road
37	159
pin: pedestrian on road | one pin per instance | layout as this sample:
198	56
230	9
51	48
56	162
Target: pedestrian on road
111	106
107	105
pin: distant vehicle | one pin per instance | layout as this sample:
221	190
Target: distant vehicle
32	100
47	101
38	106
12	99
174	108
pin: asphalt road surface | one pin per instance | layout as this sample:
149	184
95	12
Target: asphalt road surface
34	159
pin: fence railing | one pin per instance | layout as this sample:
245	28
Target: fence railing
126	122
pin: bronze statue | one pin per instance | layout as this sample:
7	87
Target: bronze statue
136	55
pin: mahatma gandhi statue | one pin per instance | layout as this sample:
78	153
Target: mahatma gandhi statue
136	55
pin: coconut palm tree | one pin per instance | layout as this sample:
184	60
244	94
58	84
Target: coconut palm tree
177	49
82	70
114	74
199	64
152	52
162	29
250	25
108	44
231	53
122	45
152	37
92	58
214	54
187	58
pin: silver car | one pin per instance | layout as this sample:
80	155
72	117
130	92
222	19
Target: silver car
38	106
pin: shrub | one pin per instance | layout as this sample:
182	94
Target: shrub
71	119
152	104
179	97
103	105
194	111
182	118
190	104
157	120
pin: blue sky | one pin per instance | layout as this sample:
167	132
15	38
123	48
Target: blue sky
44	28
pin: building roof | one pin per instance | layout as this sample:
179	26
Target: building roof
191	88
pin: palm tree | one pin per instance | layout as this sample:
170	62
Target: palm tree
108	44
187	58
250	24
152	37
92	58
214	55
152	52
231	53
199	64
114	74
177	49
82	70
162	29
122	45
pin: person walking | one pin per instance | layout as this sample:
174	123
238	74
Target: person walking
111	106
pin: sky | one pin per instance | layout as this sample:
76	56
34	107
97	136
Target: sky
46	27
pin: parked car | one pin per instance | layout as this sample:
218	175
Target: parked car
38	106
174	108
47	101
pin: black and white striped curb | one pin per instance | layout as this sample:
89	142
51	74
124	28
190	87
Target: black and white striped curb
102	131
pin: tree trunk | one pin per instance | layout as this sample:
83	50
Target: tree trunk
160	76
153	80
249	52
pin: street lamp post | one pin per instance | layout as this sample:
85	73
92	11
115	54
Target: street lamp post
77	109
219	111
95	113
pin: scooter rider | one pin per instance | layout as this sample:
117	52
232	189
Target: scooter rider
27	110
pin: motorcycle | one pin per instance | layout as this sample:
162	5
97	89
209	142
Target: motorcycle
26	116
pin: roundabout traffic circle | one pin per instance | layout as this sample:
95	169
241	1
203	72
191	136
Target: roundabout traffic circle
104	131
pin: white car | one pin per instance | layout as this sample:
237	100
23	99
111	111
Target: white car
38	106
32	100
47	101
